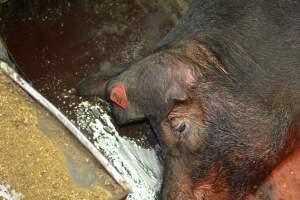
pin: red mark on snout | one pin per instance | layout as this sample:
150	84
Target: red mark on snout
118	96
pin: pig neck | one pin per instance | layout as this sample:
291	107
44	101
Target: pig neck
226	63
276	82
177	178
229	62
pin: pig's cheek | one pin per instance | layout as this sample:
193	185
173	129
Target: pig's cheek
196	139
168	134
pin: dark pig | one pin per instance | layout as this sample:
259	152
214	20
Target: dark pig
224	88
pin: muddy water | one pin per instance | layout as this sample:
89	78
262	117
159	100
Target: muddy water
57	48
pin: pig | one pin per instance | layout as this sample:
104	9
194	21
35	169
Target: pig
222	89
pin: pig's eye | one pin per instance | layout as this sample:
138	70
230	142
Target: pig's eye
182	128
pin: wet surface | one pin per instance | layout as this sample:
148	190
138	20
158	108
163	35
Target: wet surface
58	48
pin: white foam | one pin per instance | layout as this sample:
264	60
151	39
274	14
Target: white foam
139	166
7	193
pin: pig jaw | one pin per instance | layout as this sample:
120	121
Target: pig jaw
182	157
177	180
239	146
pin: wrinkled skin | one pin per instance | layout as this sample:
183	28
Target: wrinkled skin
224	89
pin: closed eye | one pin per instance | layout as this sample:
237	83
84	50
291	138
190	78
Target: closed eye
181	128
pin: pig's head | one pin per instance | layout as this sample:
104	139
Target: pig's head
163	86
211	131
160	87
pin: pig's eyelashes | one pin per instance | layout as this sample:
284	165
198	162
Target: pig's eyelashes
182	128
179	125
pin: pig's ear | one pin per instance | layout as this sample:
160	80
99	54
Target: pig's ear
176	94
94	85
